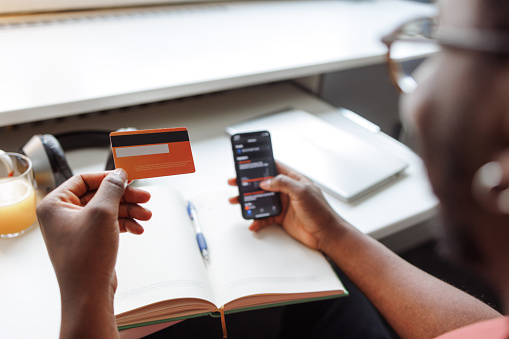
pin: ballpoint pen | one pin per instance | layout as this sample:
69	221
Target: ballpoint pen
191	210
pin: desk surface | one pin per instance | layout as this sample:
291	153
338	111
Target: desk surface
29	297
99	61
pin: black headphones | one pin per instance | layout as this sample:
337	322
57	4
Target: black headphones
49	163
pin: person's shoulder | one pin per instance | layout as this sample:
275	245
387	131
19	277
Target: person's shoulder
497	328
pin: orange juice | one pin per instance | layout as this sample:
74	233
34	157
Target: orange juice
17	206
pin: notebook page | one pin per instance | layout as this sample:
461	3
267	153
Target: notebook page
244	263
164	263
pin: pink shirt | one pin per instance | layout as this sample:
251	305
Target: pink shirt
497	328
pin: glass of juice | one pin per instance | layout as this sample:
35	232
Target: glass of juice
17	195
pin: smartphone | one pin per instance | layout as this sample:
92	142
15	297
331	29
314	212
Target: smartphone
254	162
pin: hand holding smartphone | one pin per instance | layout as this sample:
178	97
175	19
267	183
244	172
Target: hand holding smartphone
254	162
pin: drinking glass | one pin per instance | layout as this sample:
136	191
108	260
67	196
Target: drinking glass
17	195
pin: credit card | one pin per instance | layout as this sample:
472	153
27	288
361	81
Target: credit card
153	152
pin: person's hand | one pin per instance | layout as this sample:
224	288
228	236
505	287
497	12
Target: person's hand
81	221
305	215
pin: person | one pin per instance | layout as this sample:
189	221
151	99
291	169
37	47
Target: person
459	113
80	222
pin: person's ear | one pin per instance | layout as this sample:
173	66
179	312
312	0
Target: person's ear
490	184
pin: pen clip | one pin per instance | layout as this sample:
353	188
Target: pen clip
189	210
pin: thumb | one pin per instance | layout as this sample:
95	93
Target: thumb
110	191
281	183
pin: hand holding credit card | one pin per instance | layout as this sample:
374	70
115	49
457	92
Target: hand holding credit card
153	152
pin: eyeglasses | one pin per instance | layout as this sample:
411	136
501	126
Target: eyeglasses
423	36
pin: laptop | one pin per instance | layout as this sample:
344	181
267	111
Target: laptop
341	163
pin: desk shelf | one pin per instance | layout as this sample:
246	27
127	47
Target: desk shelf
70	67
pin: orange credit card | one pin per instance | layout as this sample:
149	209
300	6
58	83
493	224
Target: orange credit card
152	152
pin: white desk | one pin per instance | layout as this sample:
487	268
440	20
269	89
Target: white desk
29	297
96	62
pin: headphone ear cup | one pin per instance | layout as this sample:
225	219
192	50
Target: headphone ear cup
48	158
57	159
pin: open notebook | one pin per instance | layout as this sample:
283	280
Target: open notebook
341	163
163	277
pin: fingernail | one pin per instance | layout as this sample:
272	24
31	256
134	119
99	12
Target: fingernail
266	183
122	174
491	174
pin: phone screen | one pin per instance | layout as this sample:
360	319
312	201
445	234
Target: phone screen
254	162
